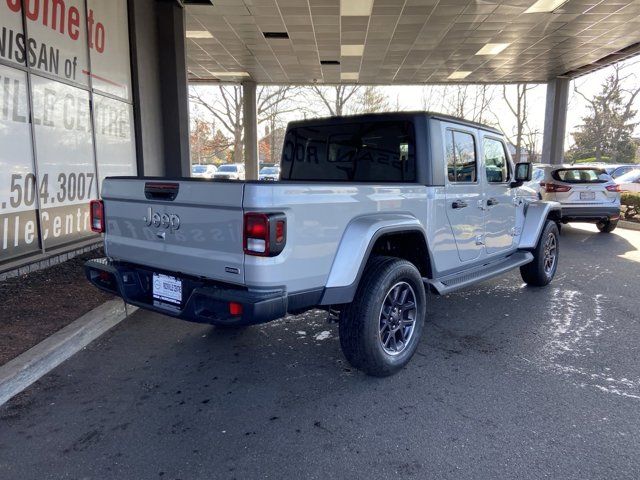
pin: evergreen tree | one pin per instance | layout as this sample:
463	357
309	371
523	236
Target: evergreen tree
606	132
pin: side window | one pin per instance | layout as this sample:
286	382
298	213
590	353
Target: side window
461	157
495	161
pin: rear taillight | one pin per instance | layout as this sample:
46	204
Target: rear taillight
554	187
265	234
96	208
614	188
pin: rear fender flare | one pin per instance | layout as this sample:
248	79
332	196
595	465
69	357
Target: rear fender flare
355	248
536	216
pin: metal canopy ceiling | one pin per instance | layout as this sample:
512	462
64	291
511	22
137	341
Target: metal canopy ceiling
406	41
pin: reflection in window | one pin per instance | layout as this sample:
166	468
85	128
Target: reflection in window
358	152
461	157
495	161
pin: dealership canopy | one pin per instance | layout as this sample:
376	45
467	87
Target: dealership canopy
407	41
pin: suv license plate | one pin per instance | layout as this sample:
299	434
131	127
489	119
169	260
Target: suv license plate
587	195
167	289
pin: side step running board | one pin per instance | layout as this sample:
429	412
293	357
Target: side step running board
451	283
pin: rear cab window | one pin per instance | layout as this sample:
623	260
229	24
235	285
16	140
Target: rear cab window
382	152
581	175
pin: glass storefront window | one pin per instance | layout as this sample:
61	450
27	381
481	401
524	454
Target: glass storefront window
110	66
18	186
66	167
12	42
71	49
57	39
115	146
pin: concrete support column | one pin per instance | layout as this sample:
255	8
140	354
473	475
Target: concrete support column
174	87
159	87
250	121
555	121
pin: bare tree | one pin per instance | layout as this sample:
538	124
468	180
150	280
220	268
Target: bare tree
432	98
372	99
518	109
481	101
456	97
226	107
336	99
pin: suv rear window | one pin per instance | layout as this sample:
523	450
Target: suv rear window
581	175
359	152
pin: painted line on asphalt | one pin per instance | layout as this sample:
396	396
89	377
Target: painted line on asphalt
27	368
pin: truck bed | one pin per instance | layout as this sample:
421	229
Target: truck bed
209	240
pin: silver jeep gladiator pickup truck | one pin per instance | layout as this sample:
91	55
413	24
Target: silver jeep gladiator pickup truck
370	212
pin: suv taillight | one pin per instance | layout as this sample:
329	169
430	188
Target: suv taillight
554	187
265	234
614	188
96	209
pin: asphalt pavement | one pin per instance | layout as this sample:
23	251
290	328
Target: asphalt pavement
508	382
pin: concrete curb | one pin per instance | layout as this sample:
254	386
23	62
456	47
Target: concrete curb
629	225
29	367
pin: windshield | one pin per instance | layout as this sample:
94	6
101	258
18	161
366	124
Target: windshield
630	177
198	169
228	168
269	171
581	175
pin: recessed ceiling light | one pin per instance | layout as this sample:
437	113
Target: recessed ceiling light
280	35
199	34
349	76
230	74
351	50
329	62
492	48
356	8
545	6
459	75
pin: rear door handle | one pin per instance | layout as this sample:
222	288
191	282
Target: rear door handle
459	204
492	202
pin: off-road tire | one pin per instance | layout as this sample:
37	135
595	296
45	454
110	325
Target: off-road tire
535	273
607	226
359	324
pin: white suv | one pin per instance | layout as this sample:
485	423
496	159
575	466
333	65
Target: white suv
233	171
587	194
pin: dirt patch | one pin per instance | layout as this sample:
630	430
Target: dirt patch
34	306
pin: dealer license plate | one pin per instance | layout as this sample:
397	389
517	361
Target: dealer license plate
587	195
167	288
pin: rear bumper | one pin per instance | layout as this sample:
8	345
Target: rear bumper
590	213
203	301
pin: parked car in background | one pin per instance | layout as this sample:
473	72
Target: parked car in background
269	174
586	193
618	170
203	171
630	182
536	178
233	171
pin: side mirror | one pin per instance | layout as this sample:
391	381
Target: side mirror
523	173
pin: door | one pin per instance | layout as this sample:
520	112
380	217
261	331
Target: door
463	192
500	209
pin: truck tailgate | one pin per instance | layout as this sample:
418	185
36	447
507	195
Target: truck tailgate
184	226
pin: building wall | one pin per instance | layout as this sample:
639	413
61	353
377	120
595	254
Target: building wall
86	92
